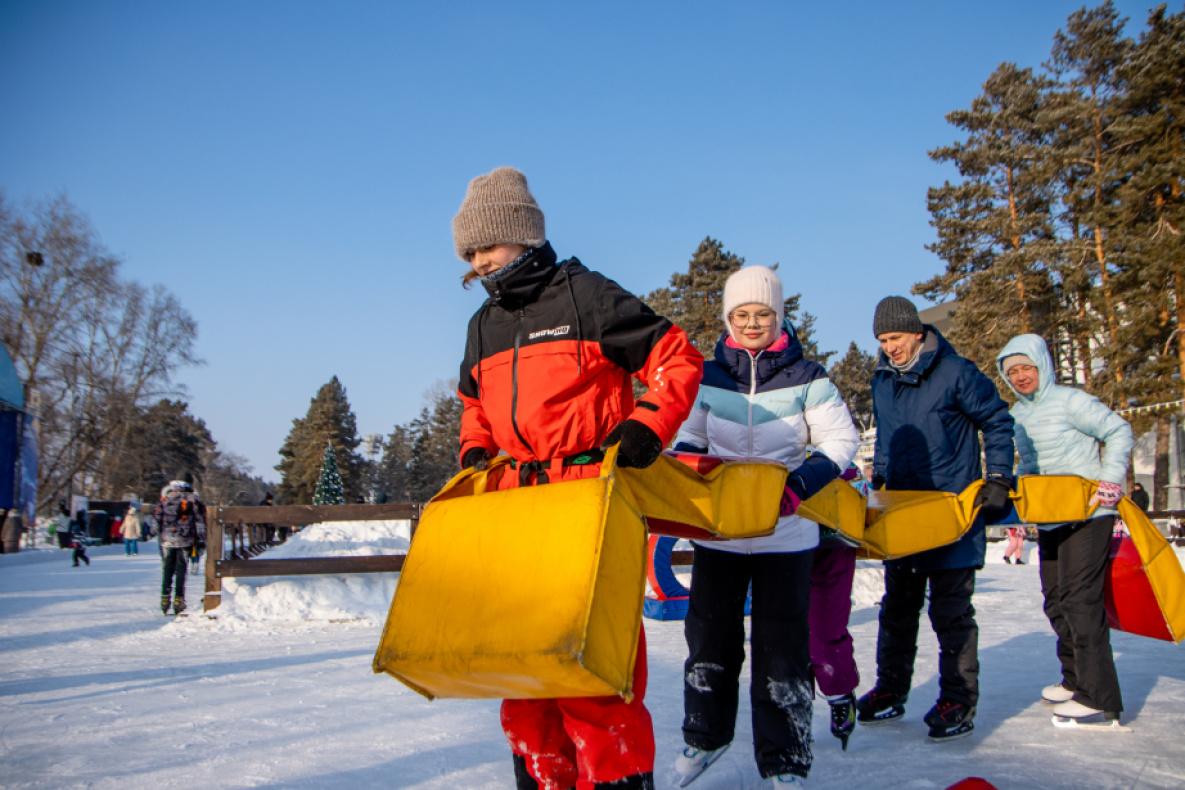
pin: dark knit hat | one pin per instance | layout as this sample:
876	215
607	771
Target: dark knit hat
498	209
896	314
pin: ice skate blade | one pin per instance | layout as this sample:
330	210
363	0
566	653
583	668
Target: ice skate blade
682	780
1106	725
961	731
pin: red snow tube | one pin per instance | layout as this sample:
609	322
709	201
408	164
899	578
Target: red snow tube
972	783
1131	604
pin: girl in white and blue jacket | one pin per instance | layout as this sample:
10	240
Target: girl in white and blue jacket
759	398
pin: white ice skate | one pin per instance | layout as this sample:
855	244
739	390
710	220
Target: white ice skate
1074	715
692	762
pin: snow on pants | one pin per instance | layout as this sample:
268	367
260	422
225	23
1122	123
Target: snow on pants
780	691
1073	571
176	561
581	742
951	615
584	742
833	662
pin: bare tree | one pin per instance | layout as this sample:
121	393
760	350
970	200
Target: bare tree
95	347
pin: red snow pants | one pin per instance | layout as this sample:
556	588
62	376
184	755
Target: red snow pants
581	741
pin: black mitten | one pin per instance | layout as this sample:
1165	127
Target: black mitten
476	458
993	500
640	446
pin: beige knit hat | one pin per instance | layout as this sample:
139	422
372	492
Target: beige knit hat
498	209
753	284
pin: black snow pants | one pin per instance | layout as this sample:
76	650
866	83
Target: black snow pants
781	691
1073	569
953	619
176	562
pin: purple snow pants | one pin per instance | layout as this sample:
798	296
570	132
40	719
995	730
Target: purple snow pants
832	661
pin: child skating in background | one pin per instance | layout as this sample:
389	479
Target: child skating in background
78	538
760	399
1016	545
547	379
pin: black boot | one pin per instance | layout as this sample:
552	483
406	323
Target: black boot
950	719
880	705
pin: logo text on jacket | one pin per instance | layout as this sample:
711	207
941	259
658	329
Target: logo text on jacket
559	330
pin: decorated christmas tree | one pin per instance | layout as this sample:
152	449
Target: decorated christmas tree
329	484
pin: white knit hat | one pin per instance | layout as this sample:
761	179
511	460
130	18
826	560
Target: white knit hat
753	285
1012	360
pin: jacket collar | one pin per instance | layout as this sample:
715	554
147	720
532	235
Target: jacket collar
522	284
740	363
934	348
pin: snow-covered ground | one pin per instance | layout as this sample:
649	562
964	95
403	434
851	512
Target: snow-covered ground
98	690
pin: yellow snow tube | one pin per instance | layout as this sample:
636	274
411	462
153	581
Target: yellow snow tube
1050	499
729	498
534	592
892	524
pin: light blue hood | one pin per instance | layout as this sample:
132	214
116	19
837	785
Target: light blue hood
1061	430
1033	347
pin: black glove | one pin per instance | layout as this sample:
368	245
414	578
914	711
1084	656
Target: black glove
878	482
992	499
476	458
640	446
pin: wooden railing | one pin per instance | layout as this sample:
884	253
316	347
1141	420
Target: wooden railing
247	531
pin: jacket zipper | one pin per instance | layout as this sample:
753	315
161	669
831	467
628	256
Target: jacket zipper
752	394
518	338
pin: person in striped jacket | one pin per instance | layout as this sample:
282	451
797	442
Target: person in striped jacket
761	399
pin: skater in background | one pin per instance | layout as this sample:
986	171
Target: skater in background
547	378
761	399
930	405
78	538
833	660
1059	430
1139	497
1016	545
181	520
131	530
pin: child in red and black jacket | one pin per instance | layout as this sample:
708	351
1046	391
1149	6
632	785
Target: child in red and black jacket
546	378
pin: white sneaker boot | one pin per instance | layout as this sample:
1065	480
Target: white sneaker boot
1056	693
692	762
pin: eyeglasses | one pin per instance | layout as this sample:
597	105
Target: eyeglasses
1016	370
762	319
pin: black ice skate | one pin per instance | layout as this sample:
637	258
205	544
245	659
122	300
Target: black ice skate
843	717
879	705
949	719
164	605
178	605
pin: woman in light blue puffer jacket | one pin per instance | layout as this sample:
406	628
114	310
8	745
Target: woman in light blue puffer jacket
1059	430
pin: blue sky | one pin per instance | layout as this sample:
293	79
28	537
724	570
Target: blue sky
291	169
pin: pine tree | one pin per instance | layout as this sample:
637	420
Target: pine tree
329	418
694	301
994	228
1085	112
329	482
393	477
852	376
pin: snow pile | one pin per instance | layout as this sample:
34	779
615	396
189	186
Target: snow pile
353	597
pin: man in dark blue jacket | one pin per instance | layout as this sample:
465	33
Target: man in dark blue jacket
930	405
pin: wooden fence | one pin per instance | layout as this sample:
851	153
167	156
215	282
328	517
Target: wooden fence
247	531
